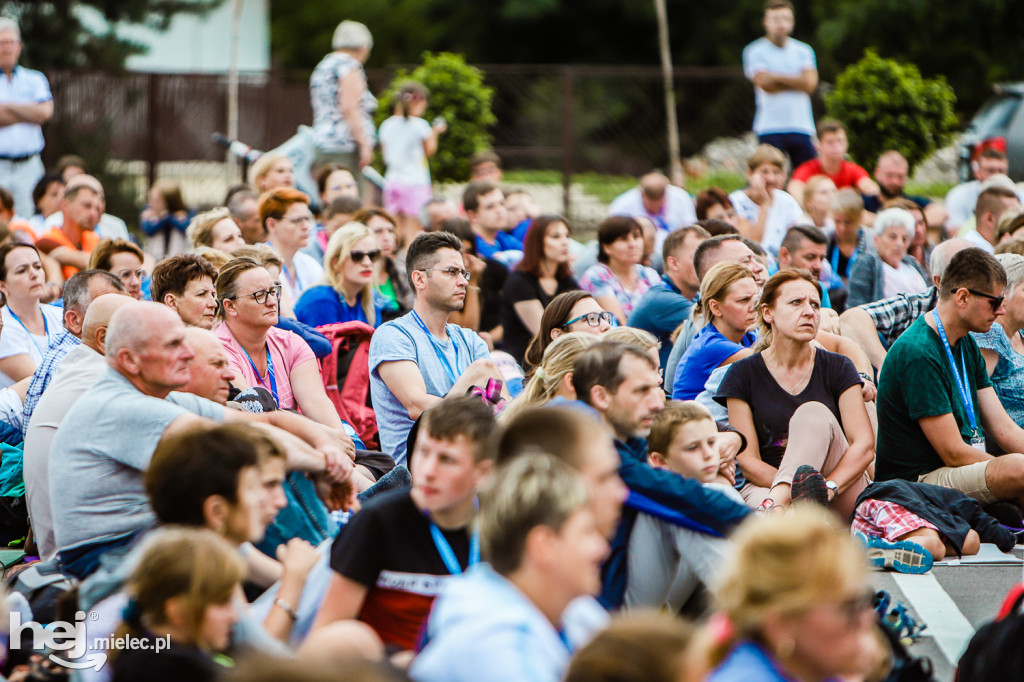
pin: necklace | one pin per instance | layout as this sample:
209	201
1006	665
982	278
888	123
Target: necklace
776	375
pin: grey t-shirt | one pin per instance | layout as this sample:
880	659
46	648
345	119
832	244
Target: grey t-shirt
99	454
404	339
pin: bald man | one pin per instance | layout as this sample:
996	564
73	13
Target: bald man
210	372
667	206
82	367
104	442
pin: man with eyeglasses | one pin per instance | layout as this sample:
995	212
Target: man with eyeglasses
419	358
936	403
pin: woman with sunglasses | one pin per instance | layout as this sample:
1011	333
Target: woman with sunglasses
573	311
352	252
794	604
261	354
542	274
390	282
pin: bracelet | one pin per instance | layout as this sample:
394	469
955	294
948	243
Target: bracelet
287	609
473	288
866	377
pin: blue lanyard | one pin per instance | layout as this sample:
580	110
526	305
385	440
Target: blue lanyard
270	373
850	262
452	374
960	383
46	330
451	562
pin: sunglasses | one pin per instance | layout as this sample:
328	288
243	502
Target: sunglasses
994	301
360	256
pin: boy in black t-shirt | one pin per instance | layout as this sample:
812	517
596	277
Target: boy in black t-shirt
394	556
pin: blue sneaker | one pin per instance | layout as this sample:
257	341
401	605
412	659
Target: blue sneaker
904	556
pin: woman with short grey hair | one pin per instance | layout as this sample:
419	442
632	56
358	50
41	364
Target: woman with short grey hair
1003	344
342	103
888	270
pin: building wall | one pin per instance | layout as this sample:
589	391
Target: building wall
201	44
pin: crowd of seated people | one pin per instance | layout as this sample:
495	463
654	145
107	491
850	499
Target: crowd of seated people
562	432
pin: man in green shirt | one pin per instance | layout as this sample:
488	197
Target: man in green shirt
935	399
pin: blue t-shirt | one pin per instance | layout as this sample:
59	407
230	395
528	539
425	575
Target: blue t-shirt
405	339
519	231
660	311
321	305
709	349
503	242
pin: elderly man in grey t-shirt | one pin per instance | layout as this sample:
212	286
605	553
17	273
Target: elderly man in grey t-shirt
419	358
105	441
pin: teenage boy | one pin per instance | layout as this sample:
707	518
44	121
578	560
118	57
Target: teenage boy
832	162
510	619
396	555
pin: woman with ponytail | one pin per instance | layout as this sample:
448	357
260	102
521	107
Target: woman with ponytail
553	378
180	608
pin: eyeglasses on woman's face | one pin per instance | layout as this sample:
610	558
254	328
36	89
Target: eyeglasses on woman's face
594	319
260	296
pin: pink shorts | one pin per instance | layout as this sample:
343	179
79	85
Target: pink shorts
407	199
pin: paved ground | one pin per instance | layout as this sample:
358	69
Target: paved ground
953	601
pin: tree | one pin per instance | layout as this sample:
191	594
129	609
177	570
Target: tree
56	36
458	93
888	105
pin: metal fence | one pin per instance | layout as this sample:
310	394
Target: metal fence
567	120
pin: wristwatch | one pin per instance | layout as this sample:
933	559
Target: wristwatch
831	485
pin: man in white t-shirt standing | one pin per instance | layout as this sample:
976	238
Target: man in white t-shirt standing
25	104
785	74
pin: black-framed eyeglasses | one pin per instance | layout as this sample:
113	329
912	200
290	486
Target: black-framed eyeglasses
994	301
594	319
359	256
452	272
260	296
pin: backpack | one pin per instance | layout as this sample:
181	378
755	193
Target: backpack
346	376
994	653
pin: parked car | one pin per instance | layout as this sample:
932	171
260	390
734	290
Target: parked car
999	124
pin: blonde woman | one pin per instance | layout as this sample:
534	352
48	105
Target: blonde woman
794	604
636	337
728	309
271	171
553	378
215	229
352	252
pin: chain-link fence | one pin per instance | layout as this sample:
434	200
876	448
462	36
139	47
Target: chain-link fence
576	133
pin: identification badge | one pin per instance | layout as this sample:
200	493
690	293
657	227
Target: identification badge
978	442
